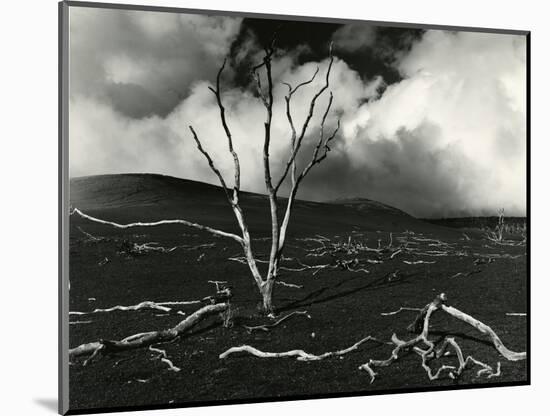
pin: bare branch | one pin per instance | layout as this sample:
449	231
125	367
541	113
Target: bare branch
292	160
292	91
297	142
145	339
267	327
160	306
211	164
164	358
401	309
300	355
285	284
162	222
234	202
487	330
268	103
217	93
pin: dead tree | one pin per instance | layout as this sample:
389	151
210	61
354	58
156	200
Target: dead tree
279	226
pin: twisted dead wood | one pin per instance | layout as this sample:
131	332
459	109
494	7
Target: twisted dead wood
160	306
420	345
300	355
145	339
421	325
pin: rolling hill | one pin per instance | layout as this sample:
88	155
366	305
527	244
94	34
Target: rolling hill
148	197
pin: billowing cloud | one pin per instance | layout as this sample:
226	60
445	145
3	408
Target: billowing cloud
447	139
464	96
165	145
144	63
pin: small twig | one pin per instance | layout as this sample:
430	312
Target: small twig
164	358
395	253
418	262
91	237
401	309
267	327
285	284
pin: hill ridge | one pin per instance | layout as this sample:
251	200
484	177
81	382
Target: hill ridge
148	197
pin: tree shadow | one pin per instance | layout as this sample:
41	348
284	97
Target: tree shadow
314	297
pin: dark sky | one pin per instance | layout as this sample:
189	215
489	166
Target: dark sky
432	122
313	40
368	61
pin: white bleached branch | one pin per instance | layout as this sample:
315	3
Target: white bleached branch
158	223
300	355
160	306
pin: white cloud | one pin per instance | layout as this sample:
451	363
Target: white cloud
142	63
165	145
449	139
472	87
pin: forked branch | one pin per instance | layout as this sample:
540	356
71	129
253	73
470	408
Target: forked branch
296	141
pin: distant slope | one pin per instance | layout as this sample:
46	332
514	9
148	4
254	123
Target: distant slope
148	197
368	205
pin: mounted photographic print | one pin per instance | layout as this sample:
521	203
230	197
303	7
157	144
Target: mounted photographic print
258	208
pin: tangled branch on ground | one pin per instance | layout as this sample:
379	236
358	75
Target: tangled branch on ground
421	345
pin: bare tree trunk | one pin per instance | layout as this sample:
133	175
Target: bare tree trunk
266	290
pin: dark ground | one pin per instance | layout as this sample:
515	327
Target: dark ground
344	306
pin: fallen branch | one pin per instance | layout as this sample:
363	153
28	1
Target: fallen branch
160	306
90	237
401	309
300	355
151	246
395	253
158	223
470	273
431	352
145	339
316	268
267	327
164	358
285	284
486	330
418	262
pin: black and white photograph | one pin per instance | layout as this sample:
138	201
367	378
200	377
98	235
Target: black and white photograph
263	208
